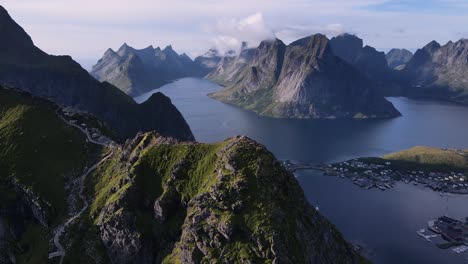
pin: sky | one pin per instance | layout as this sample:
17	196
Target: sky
85	29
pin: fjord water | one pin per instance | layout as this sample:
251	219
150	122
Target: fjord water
385	223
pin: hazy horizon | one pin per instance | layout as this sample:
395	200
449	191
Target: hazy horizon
71	27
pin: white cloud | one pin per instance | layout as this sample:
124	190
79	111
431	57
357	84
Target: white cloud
230	33
290	34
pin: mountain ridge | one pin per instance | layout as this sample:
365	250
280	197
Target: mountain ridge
137	71
152	199
437	71
63	81
300	80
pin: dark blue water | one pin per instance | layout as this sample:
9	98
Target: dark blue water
384	222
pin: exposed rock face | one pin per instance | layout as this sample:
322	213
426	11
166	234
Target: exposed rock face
302	80
196	203
231	66
138	71
439	71
208	61
366	59
63	81
397	58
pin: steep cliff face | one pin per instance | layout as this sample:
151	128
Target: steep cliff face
397	58
138	71
302	80
63	81
439	71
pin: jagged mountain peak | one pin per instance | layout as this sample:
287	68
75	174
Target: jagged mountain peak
352	40
230	53
244	45
15	41
125	49
110	52
316	45
309	40
136	71
432	46
270	42
150	47
398	58
213	52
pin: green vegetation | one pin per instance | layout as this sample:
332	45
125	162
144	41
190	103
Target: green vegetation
238	170
253	194
156	165
428	158
38	149
40	153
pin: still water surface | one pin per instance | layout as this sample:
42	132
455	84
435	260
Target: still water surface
384	222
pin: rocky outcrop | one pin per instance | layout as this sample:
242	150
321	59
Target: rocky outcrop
63	81
196	203
139	71
302	80
437	71
397	58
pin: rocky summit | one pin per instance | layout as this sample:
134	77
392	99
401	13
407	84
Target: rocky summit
301	80
397	58
151	200
137	71
230	202
440	72
63	81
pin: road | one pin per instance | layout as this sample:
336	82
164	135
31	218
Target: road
106	142
59	231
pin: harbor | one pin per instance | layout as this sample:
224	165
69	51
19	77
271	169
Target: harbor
453	232
382	174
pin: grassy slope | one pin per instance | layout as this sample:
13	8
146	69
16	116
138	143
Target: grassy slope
432	158
38	149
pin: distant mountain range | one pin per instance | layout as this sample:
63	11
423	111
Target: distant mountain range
138	71
439	72
62	80
301	80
